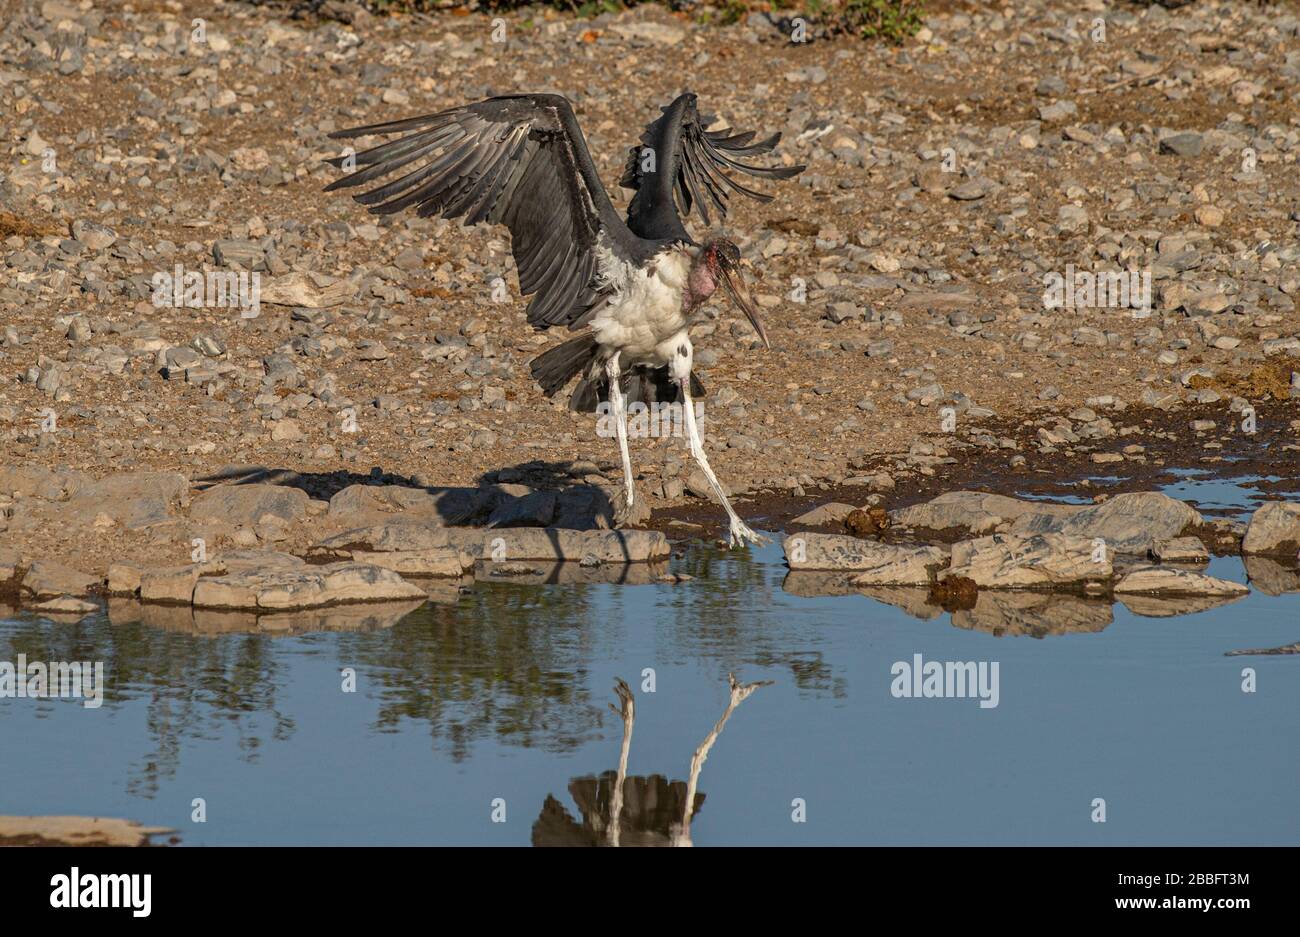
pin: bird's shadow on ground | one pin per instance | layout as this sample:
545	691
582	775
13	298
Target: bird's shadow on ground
537	493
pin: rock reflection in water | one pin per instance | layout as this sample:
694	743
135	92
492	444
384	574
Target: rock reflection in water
1270	576
209	622
1034	614
1171	606
540	572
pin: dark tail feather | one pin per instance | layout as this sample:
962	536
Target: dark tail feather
553	368
640	385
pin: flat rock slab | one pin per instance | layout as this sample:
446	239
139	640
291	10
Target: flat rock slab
249	505
976	511
1041	561
1180	550
136	501
373	504
826	514
1171	580
253	579
1274	530
433	562
303	587
580	546
50	580
502	544
1129	523
877	564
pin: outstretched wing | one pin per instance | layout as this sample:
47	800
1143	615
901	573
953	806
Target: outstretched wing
679	166
517	160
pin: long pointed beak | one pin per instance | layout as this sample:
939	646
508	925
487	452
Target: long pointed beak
735	283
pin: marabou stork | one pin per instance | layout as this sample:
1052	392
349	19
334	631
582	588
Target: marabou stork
521	160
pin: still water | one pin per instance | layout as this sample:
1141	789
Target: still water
485	718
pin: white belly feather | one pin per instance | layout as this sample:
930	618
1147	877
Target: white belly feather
645	312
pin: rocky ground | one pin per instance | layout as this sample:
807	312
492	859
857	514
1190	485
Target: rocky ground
903	282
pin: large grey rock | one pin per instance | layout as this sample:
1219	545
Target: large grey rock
1274	530
976	511
1040	561
249	505
877	564
1172	580
1129	523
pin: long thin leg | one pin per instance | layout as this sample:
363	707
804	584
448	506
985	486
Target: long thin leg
619	403
739	693
627	712
740	532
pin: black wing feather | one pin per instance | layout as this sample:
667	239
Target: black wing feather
691	171
520	160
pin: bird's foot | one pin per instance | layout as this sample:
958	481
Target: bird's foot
740	533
